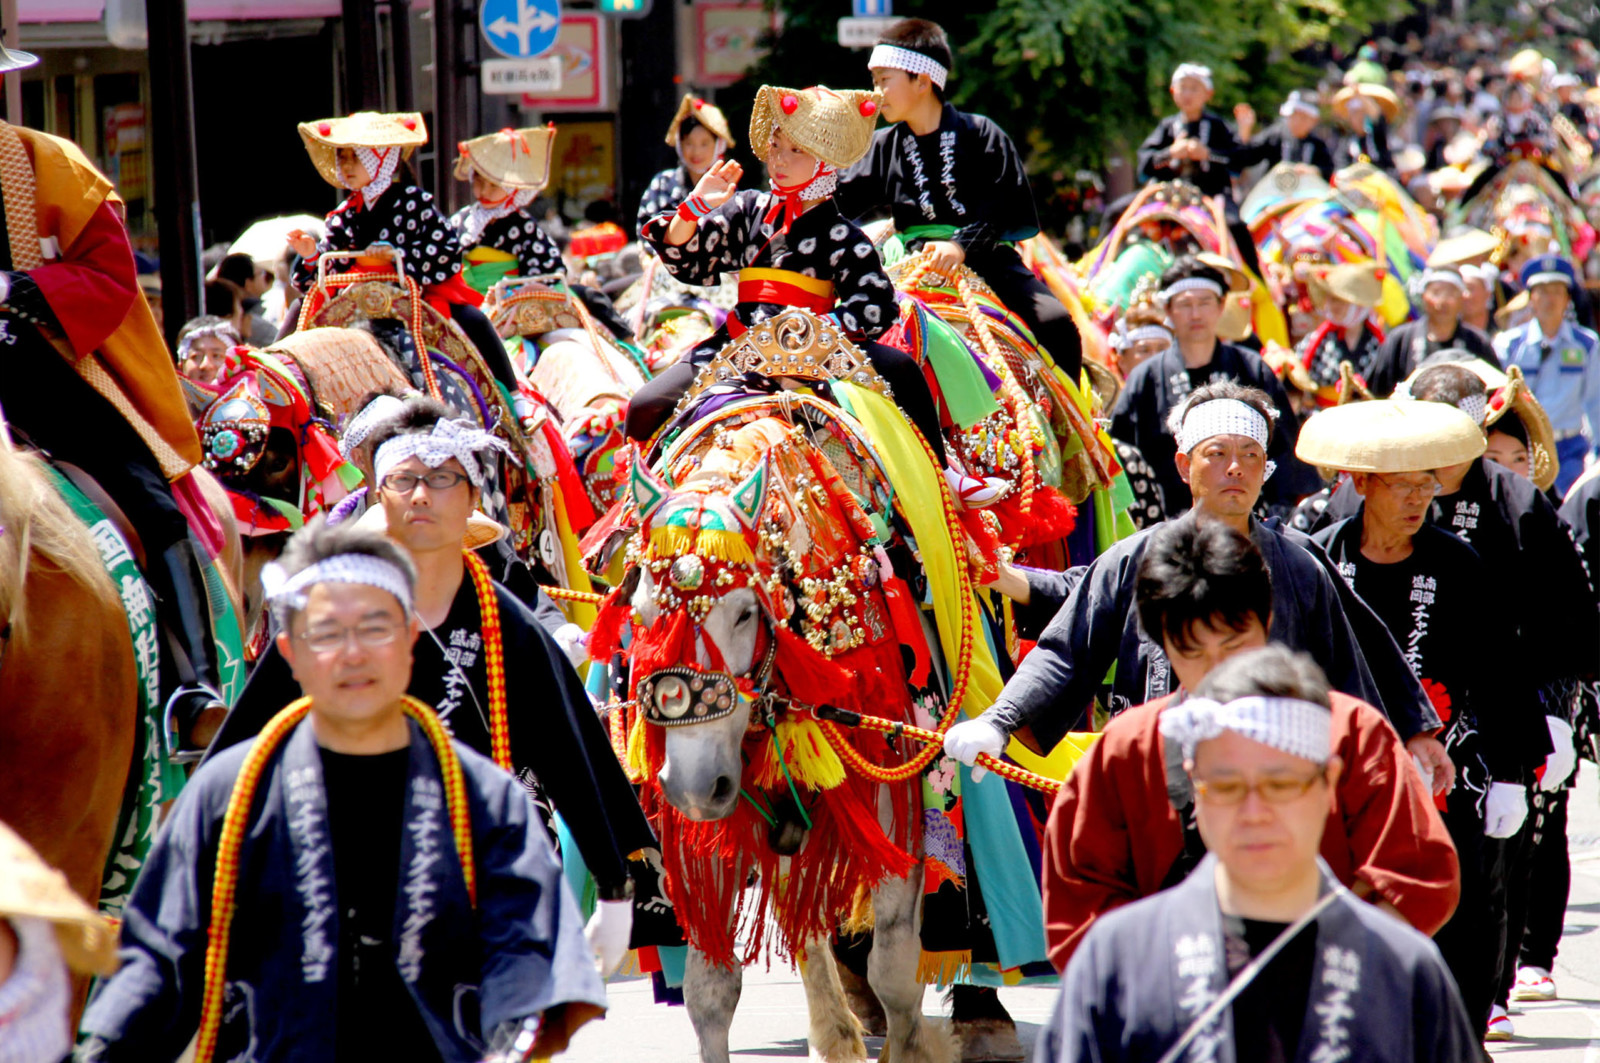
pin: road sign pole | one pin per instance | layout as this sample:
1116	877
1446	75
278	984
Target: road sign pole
363	89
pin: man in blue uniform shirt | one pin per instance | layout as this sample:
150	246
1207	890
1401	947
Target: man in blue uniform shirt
1560	360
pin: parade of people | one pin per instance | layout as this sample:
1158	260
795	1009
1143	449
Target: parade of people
919	567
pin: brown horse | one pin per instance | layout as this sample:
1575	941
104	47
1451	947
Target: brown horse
68	693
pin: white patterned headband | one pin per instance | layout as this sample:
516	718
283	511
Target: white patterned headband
1475	407
283	589
1122	340
1189	284
1299	728
1443	276
460	440
370	416
1200	73
890	57
1223	417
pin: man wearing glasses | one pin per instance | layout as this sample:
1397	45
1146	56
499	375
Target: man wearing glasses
352	884
1260	954
1444	607
429	471
1123	826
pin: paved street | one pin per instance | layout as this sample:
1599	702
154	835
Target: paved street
771	1021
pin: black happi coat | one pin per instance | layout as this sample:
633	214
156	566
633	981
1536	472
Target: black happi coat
1097	626
466	968
666	190
820	244
404	216
1443	609
559	747
1275	144
1528	548
1408	344
1375	987
1331	348
517	234
1158	384
1213	177
966	174
1581	512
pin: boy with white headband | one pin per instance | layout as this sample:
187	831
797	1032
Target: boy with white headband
954	184
1291	139
1443	290
498	680
1260	954
353	884
1198	146
1223	428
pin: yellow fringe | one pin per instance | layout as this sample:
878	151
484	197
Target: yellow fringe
713	544
638	770
812	761
943	968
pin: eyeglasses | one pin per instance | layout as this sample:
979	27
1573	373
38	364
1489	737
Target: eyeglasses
1412	490
403	483
1274	789
333	639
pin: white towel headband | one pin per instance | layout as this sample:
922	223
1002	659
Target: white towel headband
890	57
460	440
1299	728
1190	284
284	589
1192	70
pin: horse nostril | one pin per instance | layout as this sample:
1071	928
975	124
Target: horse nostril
723	790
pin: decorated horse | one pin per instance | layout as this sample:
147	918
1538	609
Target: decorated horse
576	370
78	635
1528	201
672	318
764	605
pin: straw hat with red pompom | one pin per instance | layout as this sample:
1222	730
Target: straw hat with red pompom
364	129
511	158
835	125
707	114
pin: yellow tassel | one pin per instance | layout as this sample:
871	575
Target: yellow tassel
861	919
713	544
638	770
812	762
943	968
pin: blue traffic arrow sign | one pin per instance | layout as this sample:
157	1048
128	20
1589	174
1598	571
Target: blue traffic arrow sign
520	29
873	8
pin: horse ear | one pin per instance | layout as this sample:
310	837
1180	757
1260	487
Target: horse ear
649	490
749	495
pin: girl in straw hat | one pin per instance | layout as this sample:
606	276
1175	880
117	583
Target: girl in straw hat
790	246
1344	296
365	154
500	238
699	134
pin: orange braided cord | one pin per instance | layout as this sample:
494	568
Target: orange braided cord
563	594
1018	400
935	740
235	821
316	298
494	660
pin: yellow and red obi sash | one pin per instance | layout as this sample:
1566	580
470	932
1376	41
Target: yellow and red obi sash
486	266
781	286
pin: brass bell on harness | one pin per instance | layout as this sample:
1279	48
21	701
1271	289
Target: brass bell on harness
687	573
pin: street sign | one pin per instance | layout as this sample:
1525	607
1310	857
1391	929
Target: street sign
625	8
513	77
520	29
863	32
872	8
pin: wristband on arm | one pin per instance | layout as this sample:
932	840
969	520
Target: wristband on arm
693	209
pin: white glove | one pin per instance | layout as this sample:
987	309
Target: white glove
573	642
607	933
1563	759
968	738
1505	810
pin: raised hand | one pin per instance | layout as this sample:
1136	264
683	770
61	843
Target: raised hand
1245	116
718	184
304	244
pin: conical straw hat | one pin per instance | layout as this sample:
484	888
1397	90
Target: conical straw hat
511	158
31	887
1360	283
364	129
1389	436
835	126
707	114
1386	100
1463	247
1542	460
